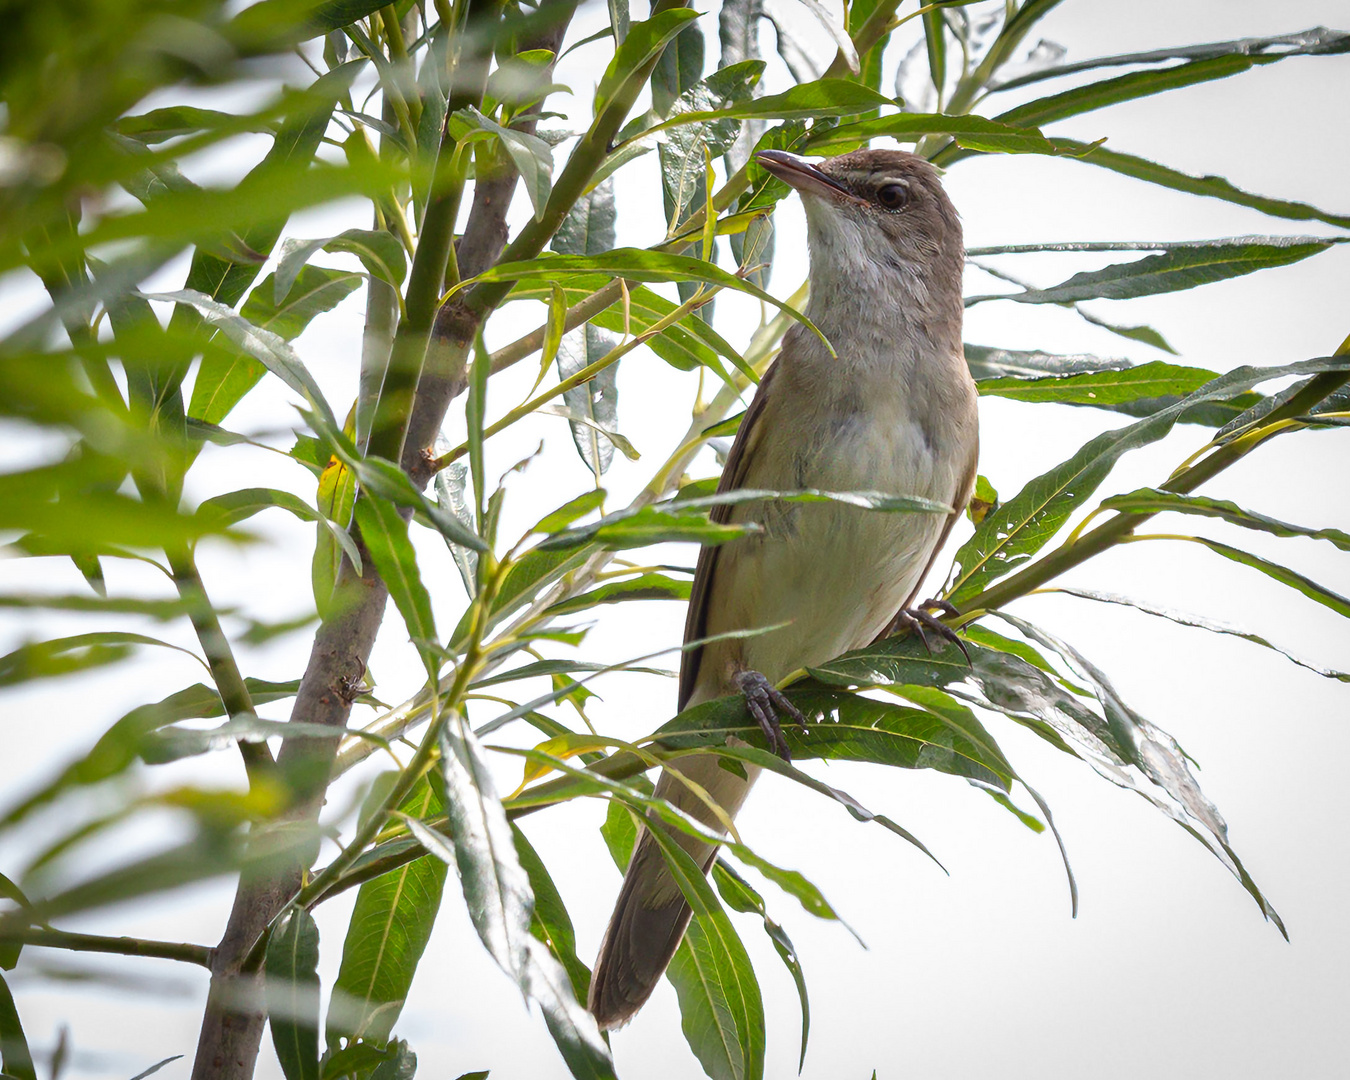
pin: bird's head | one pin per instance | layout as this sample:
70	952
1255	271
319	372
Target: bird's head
875	218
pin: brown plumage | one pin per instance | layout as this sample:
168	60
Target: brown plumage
894	411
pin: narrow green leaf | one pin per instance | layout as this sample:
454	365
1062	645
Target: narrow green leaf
720	1004
1013	533
15	1058
1173	271
1215	187
1283	574
1319	41
741	896
60	656
569	512
291	964
500	901
634	264
1171	787
935	39
552	925
240	505
1137	84
1199	622
386	538
641	587
975	132
450	486
1152	501
1135	391
387	934
643	41
679	68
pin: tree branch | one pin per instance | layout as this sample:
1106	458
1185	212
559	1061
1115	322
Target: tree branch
125	946
232	1025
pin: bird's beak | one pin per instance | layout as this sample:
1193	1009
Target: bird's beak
804	175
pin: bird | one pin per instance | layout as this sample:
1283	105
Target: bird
892	409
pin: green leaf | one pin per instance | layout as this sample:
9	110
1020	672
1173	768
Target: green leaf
386	538
269	349
1215	187
634	264
935	38
847	727
1171	786
225	376
679	68
1013	533
641	587
240	505
720	1005
588	228
989	362
569	512
1319	41
450	487
387	934
641	528
500	900
552	925
291	964
1173	271
1137	84
1154	501
297	139
1309	588
380	253
531	155
1136	391
680	519
974	132
642	44
595	403
823	98
15	1058
709	133
740	896
618	19
60	656
1145	334
1201	623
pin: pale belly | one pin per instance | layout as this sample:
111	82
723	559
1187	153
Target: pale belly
835	574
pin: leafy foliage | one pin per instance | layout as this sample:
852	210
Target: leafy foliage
429	117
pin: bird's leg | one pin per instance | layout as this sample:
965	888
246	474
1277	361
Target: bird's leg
917	618
765	701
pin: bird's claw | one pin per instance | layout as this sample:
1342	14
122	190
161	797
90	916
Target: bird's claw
765	701
917	618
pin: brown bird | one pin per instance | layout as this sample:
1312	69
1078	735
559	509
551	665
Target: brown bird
894	411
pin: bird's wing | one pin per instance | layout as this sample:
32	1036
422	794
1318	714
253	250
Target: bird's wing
733	475
963	492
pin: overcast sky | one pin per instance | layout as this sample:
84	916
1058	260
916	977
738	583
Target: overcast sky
1169	969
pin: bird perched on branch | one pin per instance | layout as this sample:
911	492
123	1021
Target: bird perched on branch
894	410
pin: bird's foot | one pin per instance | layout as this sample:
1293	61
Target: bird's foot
765	702
918	618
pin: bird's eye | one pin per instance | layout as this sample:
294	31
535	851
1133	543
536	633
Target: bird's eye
893	196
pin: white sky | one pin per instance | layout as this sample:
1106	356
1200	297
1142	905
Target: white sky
1169	968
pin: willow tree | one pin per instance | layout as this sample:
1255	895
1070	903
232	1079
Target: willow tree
436	116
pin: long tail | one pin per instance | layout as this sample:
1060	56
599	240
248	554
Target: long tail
651	914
